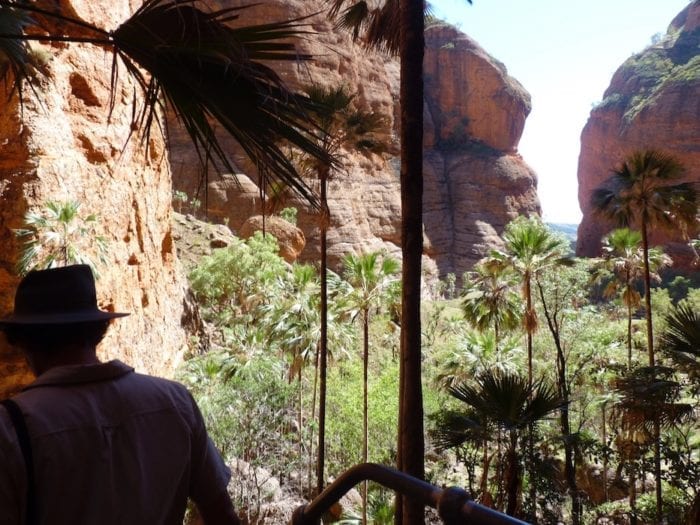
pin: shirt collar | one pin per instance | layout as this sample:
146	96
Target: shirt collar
74	374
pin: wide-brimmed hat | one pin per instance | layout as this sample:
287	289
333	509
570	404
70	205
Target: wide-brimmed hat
57	296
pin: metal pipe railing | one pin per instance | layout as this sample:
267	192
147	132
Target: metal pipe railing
453	504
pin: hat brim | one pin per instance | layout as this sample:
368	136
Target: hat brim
61	318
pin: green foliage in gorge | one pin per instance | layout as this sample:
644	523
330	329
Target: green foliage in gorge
233	282
260	386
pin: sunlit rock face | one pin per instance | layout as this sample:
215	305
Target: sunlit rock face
475	180
653	101
61	147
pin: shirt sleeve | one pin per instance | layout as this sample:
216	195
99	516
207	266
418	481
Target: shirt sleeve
209	474
12	474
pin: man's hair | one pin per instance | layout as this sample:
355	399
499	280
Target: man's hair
45	336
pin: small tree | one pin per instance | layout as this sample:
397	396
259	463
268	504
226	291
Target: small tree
57	235
510	403
489	299
370	276
624	258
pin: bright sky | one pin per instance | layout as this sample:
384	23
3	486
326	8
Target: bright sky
564	52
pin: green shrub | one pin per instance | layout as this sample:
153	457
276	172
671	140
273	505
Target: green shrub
289	215
675	506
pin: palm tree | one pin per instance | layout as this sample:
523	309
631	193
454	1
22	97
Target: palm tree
202	67
488	300
681	341
644	191
340	126
369	278
474	354
513	404
530	248
58	235
623	256
648	401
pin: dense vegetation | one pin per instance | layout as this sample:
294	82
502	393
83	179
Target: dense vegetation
590	402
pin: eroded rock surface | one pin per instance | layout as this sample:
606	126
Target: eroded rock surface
63	149
475	181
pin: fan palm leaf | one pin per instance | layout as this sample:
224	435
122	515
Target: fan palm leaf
376	23
15	55
206	69
681	339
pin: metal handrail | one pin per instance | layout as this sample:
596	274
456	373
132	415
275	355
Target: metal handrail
453	504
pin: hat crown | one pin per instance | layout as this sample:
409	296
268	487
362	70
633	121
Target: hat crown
67	289
57	296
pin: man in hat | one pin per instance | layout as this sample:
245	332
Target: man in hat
96	443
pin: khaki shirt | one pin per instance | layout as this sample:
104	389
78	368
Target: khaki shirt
110	447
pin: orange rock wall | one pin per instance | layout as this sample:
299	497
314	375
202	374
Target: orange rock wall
63	148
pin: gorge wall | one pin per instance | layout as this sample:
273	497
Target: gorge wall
475	180
60	147
653	101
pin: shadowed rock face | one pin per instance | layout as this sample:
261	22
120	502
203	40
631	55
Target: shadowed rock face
475	181
653	102
63	149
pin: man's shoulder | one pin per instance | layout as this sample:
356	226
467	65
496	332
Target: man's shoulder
156	385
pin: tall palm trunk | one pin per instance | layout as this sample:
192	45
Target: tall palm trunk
647	295
512	477
650	346
323	366
500	471
410	455
633	494
485	472
529	328
301	427
313	417
528	325
628	284
605	456
365	427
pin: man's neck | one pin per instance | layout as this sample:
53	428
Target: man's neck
42	361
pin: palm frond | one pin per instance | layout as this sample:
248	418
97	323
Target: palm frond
453	428
206	70
681	339
15	55
644	190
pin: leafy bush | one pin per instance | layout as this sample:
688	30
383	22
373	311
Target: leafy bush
249	411
233	282
289	215
675	505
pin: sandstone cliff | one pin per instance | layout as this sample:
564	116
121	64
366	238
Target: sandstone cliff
61	148
653	101
475	181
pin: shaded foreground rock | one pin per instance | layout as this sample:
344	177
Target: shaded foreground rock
63	149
